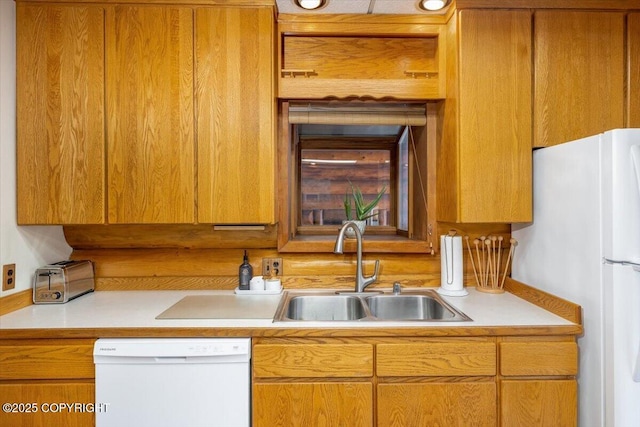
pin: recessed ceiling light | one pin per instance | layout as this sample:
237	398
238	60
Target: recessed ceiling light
310	4
433	4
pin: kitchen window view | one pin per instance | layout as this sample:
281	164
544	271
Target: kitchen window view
336	148
371	159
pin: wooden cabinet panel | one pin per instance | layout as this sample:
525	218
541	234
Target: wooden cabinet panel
313	404
312	360
150	127
317	66
484	159
495	116
46	359
633	70
43	399
538	403
433	358
538	358
60	114
437	404
579	74
235	98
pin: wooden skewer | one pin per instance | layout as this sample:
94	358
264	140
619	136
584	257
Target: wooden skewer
487	243
473	264
482	270
500	238
494	277
513	242
476	242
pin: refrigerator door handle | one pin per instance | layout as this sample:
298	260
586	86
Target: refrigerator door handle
633	265
636	371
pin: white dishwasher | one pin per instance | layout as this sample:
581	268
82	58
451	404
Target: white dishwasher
171	382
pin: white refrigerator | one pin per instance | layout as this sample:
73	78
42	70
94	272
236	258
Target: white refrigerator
584	245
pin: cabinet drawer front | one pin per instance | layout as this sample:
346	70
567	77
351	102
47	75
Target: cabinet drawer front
437	359
312	360
47	361
538	358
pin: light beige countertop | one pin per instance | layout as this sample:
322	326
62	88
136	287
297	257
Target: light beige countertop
139	309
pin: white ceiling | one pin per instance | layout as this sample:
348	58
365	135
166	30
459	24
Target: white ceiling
404	7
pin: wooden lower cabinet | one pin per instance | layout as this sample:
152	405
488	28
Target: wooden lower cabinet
47	382
343	403
406	382
539	403
437	404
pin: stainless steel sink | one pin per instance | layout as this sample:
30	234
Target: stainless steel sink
408	307
325	307
415	305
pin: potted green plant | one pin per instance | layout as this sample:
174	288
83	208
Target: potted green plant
359	211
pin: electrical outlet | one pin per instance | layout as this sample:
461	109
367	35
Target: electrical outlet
8	277
272	265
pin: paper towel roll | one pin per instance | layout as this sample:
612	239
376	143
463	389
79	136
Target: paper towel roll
451	277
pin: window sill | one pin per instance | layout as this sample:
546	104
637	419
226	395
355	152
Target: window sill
370	244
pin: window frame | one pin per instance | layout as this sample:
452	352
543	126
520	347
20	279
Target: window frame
422	211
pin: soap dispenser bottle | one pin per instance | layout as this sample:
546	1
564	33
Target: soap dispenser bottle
245	273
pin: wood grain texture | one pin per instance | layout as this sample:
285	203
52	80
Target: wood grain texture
495	164
151	153
60	114
436	404
437	358
45	394
538	358
561	307
312	360
359	57
549	4
16	301
235	97
539	403
46	359
313	404
579	74
633	70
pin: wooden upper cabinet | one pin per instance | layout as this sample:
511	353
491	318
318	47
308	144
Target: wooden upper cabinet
484	164
60	114
151	149
579	77
379	60
235	114
633	71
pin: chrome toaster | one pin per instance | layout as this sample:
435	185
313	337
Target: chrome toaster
62	281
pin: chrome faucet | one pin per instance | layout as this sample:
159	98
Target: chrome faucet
361	281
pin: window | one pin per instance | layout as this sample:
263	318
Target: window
324	148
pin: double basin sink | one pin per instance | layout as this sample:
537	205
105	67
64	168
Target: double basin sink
422	305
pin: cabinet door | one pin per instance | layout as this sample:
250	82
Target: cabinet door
151	154
579	74
40	404
493	156
539	403
313	404
60	114
235	115
437	404
633	83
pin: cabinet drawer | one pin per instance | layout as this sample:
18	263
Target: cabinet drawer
539	358
436	359
49	360
312	360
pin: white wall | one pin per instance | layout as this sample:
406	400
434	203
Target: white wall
26	247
